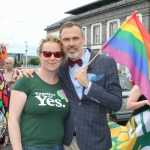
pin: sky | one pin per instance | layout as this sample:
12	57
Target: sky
24	21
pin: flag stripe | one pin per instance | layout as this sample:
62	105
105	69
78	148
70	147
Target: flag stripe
143	31
132	22
128	61
138	46
129	49
147	45
133	30
145	35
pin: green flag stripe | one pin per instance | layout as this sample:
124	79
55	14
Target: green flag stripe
138	46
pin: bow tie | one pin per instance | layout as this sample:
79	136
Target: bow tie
79	62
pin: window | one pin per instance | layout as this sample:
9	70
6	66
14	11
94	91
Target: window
112	26
140	17
96	34
84	30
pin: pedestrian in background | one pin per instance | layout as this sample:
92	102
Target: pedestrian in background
10	73
4	97
124	73
137	101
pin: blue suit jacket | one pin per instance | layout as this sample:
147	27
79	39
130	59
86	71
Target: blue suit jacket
88	115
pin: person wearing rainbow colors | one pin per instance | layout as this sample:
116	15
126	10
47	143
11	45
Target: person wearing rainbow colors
4	97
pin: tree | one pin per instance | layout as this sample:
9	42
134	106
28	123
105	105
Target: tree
34	61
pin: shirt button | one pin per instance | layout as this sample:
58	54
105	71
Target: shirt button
75	118
79	103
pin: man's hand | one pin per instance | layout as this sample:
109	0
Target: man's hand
27	73
81	76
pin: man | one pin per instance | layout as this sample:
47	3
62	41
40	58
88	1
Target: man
91	91
10	74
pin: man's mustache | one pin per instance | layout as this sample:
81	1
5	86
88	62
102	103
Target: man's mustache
71	47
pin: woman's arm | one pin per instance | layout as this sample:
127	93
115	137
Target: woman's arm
17	102
132	103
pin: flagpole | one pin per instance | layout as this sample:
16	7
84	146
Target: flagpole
93	58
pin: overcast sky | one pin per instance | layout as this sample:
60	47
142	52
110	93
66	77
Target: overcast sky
25	20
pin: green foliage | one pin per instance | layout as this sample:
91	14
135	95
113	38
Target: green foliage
17	64
34	61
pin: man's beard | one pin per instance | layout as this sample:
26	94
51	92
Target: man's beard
74	55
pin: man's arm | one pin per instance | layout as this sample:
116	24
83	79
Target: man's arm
110	96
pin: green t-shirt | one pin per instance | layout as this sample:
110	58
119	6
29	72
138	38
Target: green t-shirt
44	113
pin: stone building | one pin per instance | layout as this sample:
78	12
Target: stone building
101	18
21	57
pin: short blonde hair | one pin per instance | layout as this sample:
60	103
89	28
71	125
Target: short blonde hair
11	60
50	38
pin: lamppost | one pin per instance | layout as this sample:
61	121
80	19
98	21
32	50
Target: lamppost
26	52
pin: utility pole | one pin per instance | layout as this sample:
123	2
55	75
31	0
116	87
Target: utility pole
26	53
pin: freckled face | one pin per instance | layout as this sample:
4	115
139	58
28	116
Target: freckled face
50	63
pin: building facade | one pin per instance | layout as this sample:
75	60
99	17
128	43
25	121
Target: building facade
101	18
21	57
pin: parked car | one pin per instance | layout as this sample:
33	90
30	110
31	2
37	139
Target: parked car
123	114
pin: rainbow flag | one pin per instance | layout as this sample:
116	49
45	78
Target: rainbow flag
130	46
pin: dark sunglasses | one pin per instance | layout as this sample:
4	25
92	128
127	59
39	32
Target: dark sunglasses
49	54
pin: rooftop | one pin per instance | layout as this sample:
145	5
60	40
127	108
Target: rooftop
90	6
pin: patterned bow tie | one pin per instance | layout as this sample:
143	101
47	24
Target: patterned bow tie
79	62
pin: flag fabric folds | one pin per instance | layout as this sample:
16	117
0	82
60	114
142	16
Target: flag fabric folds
130	46
134	136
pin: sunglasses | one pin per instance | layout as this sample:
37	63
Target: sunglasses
49	54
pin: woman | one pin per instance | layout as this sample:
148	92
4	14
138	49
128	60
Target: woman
38	106
137	101
4	97
10	73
